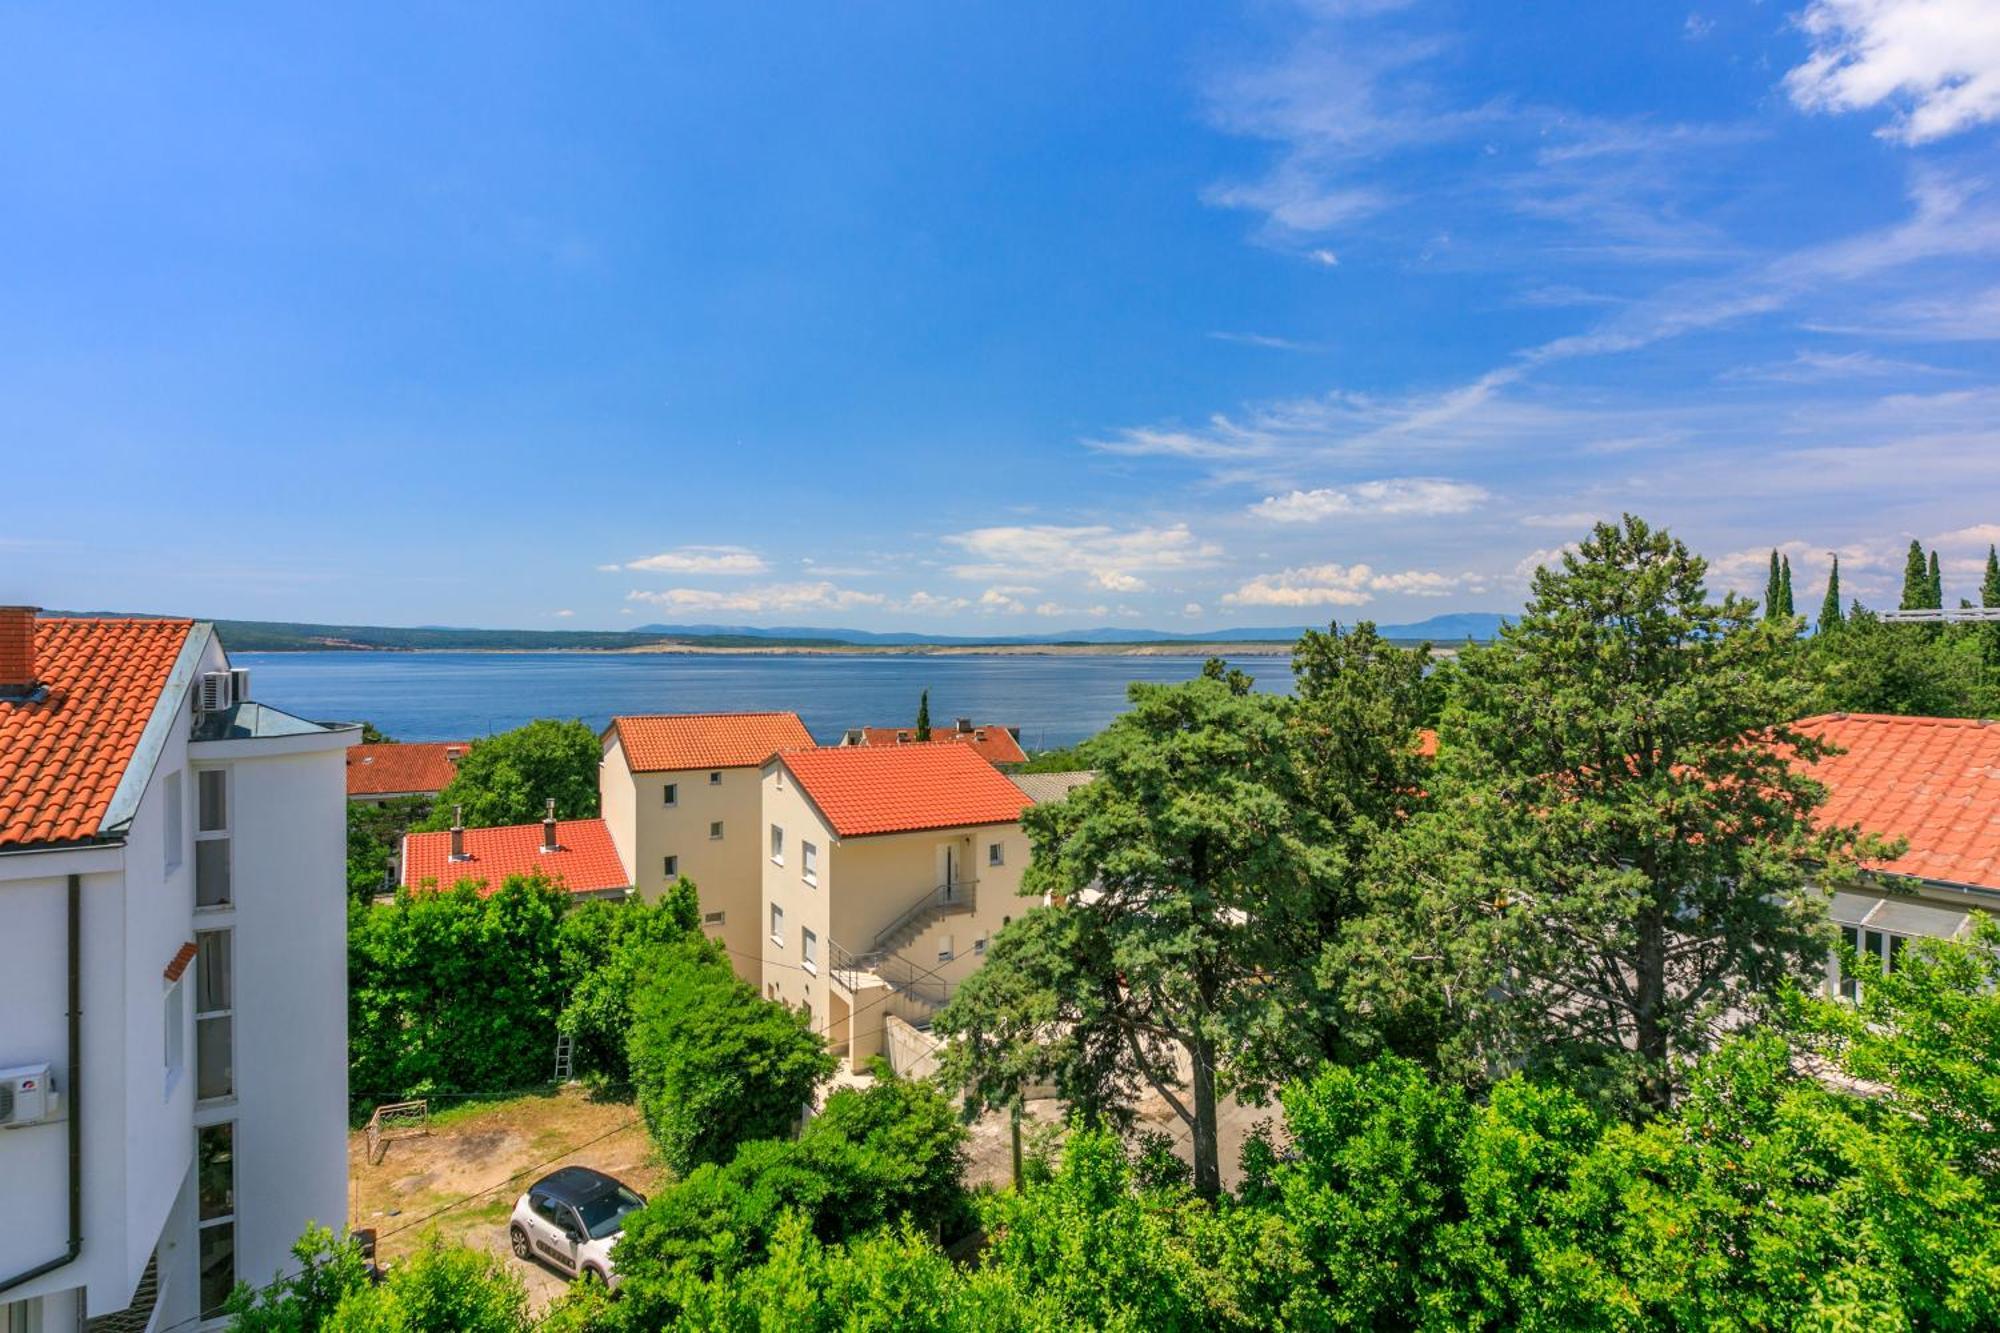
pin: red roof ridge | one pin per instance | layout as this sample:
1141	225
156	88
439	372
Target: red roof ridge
584	860
863	789
743	712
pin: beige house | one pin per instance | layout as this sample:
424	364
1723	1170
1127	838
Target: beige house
681	795
885	872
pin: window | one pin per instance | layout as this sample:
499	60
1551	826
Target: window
175	829
173	1028
777	845
996	853
809	863
714	918
214	1026
715	779
715	830
211	838
215	1176
944	950
809	950
777	924
670	794
672	866
21	1316
979	945
1878	945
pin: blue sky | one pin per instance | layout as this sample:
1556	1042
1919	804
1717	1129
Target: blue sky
1011	317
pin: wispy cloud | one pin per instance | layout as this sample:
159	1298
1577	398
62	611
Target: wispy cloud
1268	340
770	597
697	560
1112	559
1936	62
1820	367
1344	585
1393	496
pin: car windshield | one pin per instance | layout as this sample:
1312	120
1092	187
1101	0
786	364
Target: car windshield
605	1215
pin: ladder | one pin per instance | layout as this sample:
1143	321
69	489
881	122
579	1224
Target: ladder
564	1044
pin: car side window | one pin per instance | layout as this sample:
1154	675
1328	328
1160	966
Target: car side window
546	1209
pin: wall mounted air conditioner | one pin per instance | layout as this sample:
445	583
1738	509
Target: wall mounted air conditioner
216	692
25	1096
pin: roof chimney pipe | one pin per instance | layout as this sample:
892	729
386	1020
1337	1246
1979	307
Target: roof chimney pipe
549	843
17	652
964	726
458	834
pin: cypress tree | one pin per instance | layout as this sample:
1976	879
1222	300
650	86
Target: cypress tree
1916	579
1771	588
1785	586
924	716
1937	583
1989	589
1829	610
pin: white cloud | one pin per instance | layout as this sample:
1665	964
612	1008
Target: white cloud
1525	567
1697	27
1342	585
1191	609
820	596
1819	367
1110	558
929	603
1005	598
1267	340
1575	518
564	613
1394	495
1324	257
698	560
1937	62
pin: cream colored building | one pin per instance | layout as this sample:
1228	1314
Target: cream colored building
885	871
682	795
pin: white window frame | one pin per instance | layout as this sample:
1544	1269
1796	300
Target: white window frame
777	925
715	830
1884	946
809	950
221	834
945	950
809	863
715	918
225	1013
996	853
228	1219
777	845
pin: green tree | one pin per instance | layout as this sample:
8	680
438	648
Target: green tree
1876	667
1619	854
506	779
1785	587
604	948
714	1063
1157	963
1829	609
1773	589
327	1270
1936	582
439	1289
1989	596
1916	579
375	832
371	736
449	991
924	716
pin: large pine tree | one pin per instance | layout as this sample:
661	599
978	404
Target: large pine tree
1785	586
1916	579
1829	610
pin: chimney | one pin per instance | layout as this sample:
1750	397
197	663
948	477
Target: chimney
965	726
17	651
549	843
458	834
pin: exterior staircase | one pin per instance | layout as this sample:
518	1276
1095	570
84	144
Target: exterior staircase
954	899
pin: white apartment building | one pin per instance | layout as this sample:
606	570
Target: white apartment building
681	794
885	871
173	1015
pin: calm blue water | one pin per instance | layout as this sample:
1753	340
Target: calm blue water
449	696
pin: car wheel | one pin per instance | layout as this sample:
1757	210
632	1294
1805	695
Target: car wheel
519	1240
591	1276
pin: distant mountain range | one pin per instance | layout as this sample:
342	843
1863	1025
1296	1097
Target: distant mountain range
294	636
1455	627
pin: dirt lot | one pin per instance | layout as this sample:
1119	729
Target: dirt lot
471	1159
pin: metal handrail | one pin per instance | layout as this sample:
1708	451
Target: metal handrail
892	969
942	895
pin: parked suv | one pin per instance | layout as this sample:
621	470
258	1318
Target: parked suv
570	1219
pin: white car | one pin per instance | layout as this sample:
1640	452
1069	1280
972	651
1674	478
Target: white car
570	1219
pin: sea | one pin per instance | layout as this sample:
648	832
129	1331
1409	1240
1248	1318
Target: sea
1055	700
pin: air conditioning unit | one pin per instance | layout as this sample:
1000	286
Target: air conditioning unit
216	692
25	1096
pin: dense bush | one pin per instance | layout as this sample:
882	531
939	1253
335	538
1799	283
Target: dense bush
716	1064
604	947
439	1289
374	835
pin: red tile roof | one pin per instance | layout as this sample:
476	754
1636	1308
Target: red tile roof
585	860
179	962
863	789
996	744
664	742
63	755
1933	781
402	769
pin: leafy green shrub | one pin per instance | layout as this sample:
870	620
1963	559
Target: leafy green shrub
604	947
508	778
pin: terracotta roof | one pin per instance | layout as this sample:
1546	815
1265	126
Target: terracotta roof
996	744
402	769
179	962
664	742
1045	787
863	789
585	860
1933	781
62	755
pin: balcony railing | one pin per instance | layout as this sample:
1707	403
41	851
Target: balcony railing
892	970
947	899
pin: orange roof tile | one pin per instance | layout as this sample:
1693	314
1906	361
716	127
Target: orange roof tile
1933	781
402	769
179	962
863	789
664	742
996	744
63	755
585	861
